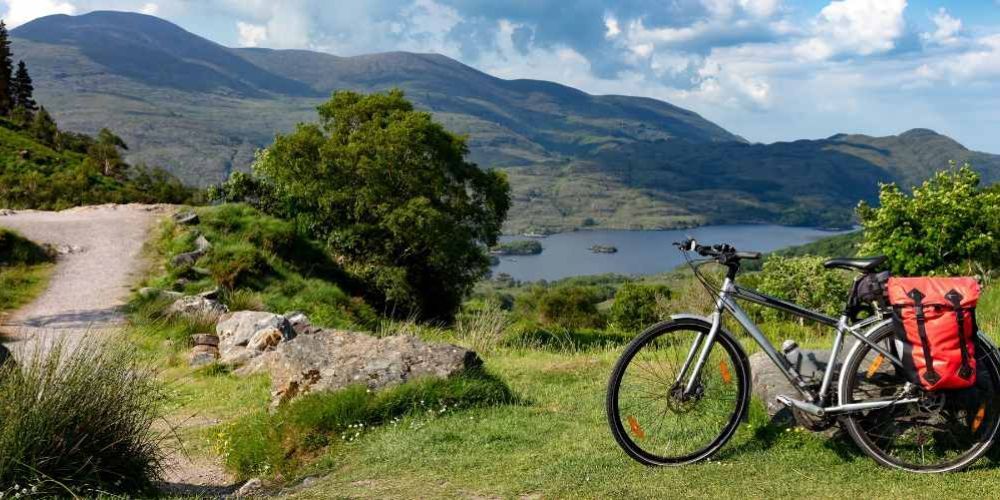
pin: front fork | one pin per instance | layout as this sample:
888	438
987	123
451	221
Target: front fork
704	342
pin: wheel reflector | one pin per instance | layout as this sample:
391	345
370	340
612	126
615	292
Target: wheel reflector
876	363
724	371
636	429
978	420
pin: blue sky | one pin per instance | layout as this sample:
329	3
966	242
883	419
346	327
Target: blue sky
768	70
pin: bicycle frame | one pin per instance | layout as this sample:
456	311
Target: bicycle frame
817	402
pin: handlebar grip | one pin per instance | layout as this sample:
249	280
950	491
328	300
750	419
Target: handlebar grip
748	255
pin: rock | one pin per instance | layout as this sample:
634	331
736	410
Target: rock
332	359
192	305
201	243
252	487
186	259
150	292
769	383
205	339
202	355
68	249
210	294
186	218
6	211
300	323
245	334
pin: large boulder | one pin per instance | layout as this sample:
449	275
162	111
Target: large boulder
244	335
769	382
333	359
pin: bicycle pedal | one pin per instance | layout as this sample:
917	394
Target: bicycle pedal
801	405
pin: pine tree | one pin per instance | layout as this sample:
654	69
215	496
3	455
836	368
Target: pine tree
44	128
6	69
22	91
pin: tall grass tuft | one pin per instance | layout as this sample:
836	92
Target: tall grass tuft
484	330
79	421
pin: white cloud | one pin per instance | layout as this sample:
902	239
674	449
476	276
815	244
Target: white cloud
251	35
21	11
150	9
611	28
947	29
855	27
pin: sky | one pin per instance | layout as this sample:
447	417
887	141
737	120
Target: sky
769	70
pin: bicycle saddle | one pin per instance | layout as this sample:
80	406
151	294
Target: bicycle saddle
866	264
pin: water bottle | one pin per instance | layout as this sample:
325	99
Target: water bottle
804	364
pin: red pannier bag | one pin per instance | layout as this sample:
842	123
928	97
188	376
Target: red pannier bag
938	325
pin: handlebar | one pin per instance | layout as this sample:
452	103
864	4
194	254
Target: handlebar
723	252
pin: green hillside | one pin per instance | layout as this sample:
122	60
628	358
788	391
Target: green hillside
574	159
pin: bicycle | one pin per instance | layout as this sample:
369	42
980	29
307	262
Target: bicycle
681	388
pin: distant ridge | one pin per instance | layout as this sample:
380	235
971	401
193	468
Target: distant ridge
574	159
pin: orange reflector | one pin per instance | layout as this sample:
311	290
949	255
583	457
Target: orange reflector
636	430
876	363
724	370
978	420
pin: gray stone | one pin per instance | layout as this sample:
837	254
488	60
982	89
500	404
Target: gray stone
210	294
300	323
192	305
150	292
205	339
186	218
201	243
250	488
333	359
186	259
245	334
769	383
202	355
6	211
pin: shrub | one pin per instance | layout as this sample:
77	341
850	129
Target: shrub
563	306
80	421
948	225
803	280
264	442
237	265
637	306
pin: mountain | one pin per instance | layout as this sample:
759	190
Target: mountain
574	159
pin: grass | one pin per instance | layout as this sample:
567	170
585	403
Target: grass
80	420
280	443
24	270
260	262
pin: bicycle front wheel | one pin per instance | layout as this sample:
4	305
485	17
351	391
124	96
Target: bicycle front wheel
944	431
651	415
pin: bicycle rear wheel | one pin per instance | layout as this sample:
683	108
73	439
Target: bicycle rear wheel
649	415
945	431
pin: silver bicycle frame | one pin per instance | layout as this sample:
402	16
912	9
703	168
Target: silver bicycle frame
816	402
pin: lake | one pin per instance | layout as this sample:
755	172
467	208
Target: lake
641	252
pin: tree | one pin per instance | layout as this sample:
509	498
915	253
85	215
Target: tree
391	193
804	281
6	68
44	128
637	306
105	153
22	90
948	225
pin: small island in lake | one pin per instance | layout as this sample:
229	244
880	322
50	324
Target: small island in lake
517	247
604	249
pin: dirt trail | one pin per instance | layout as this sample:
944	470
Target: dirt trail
99	260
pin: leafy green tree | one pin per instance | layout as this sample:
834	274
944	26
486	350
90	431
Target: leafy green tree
948	225
44	128
6	70
392	194
562	306
22	90
105	152
636	305
804	281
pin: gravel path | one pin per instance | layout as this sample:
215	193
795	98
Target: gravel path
99	260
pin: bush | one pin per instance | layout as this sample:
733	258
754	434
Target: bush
390	192
564	306
239	264
804	281
637	306
263	442
948	225
80	421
